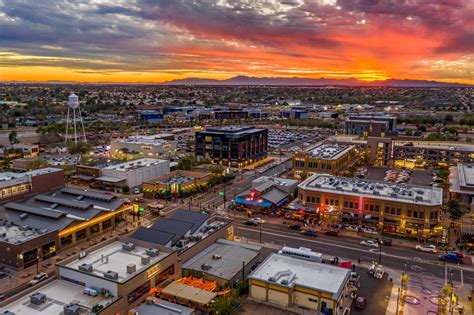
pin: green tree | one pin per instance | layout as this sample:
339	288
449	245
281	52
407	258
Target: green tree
12	137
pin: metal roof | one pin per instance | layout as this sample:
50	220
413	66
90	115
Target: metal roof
196	218
64	202
152	236
178	228
89	194
54	214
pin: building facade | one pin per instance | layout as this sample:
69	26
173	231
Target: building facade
289	282
151	146
405	208
370	125
323	158
232	146
14	186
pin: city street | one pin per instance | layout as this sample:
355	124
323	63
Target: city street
395	257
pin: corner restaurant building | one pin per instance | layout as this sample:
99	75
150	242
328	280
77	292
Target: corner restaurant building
401	207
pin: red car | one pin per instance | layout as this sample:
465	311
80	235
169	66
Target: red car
332	233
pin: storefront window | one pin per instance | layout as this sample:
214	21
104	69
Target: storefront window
138	292
107	224
66	240
80	235
95	228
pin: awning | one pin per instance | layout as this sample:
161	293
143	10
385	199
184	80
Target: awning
110	179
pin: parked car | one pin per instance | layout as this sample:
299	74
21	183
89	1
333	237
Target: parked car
360	303
451	257
136	191
311	233
251	222
295	227
385	241
426	248
38	278
370	243
332	233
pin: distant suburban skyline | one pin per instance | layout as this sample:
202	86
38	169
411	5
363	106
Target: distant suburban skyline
161	40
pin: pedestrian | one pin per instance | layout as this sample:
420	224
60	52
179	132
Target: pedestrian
360	261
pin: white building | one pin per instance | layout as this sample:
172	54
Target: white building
148	145
135	172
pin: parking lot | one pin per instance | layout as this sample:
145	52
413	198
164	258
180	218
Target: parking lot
377	293
416	177
277	139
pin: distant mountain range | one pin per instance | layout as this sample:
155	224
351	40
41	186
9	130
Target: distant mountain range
295	81
277	81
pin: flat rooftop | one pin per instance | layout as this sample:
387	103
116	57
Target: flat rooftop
461	178
280	181
135	164
429	196
17	234
289	271
235	130
113	257
329	151
232	255
162	307
6	176
157	139
58	293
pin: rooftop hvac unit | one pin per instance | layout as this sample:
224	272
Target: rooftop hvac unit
37	298
206	267
111	275
23	216
128	247
152	252
145	260
216	256
131	268
82	255
86	267
72	309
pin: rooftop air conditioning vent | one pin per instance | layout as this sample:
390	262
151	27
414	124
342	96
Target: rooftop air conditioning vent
86	267
72	309
131	268
111	275
145	260
37	298
152	252
128	247
216	256
23	216
206	267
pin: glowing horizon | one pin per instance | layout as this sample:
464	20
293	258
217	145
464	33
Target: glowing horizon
157	40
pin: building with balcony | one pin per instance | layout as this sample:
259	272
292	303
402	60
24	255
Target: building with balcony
232	145
401	207
325	158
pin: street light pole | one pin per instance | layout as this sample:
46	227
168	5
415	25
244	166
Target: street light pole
380	254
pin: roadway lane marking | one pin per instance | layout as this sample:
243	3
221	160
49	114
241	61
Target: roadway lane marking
329	244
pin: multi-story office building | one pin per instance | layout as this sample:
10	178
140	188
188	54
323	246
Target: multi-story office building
370	125
401	206
323	158
294	113
423	153
233	146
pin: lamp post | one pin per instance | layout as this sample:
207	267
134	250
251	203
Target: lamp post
380	253
261	232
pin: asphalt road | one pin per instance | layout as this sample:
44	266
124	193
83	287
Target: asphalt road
395	257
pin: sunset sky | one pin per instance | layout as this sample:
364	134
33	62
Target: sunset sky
159	40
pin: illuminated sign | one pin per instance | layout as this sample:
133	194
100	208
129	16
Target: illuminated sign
230	233
152	271
208	139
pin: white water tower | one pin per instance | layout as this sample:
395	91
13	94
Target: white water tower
74	118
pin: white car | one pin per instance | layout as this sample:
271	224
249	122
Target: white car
258	220
426	248
38	278
370	243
